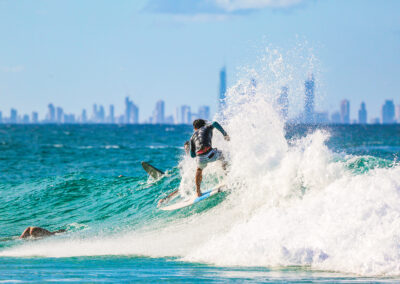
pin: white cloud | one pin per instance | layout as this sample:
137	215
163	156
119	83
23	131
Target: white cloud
215	7
237	5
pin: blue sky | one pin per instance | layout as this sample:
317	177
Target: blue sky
76	53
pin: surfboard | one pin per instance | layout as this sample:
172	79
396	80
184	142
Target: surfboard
194	199
152	171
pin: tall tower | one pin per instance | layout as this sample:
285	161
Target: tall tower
127	110
35	117
345	112
398	113
159	113
186	115
84	116
111	117
60	115
309	100
283	102
388	112
362	114
222	88
51	116
13	116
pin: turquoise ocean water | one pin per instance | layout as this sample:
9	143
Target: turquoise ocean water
323	207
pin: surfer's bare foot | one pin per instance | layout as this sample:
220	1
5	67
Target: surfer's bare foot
199	194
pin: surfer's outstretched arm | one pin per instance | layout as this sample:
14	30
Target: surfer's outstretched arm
220	129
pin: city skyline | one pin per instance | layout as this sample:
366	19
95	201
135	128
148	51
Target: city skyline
46	57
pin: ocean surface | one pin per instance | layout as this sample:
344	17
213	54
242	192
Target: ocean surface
305	203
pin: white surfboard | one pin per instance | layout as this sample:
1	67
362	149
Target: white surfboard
194	199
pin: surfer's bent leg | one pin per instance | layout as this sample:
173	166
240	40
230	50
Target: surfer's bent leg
199	177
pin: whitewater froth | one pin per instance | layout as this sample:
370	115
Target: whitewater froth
290	202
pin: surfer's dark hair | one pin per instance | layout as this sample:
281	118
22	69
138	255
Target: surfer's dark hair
198	123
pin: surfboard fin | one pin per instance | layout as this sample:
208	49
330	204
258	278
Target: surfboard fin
152	171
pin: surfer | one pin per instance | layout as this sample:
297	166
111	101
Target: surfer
200	147
37	232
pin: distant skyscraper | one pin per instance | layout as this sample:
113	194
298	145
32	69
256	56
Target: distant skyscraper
101	115
204	112
159	112
222	88
398	113
309	100
283	102
362	114
131	112
51	116
345	112
388	112
135	113
69	118
35	117
111	118
25	119
186	116
13	116
84	116
127	110
60	114
95	115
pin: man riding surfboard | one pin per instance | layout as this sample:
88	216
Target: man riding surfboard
200	146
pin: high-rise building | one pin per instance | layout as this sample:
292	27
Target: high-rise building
51	116
127	110
222	88
135	113
309	100
35	117
111	118
204	112
25	119
13	116
362	114
388	112
345	111
131	112
283	102
186	115
159	112
95	115
101	115
59	114
84	116
69	118
398	113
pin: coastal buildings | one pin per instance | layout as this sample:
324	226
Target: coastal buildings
362	114
309	100
388	112
283	102
345	112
